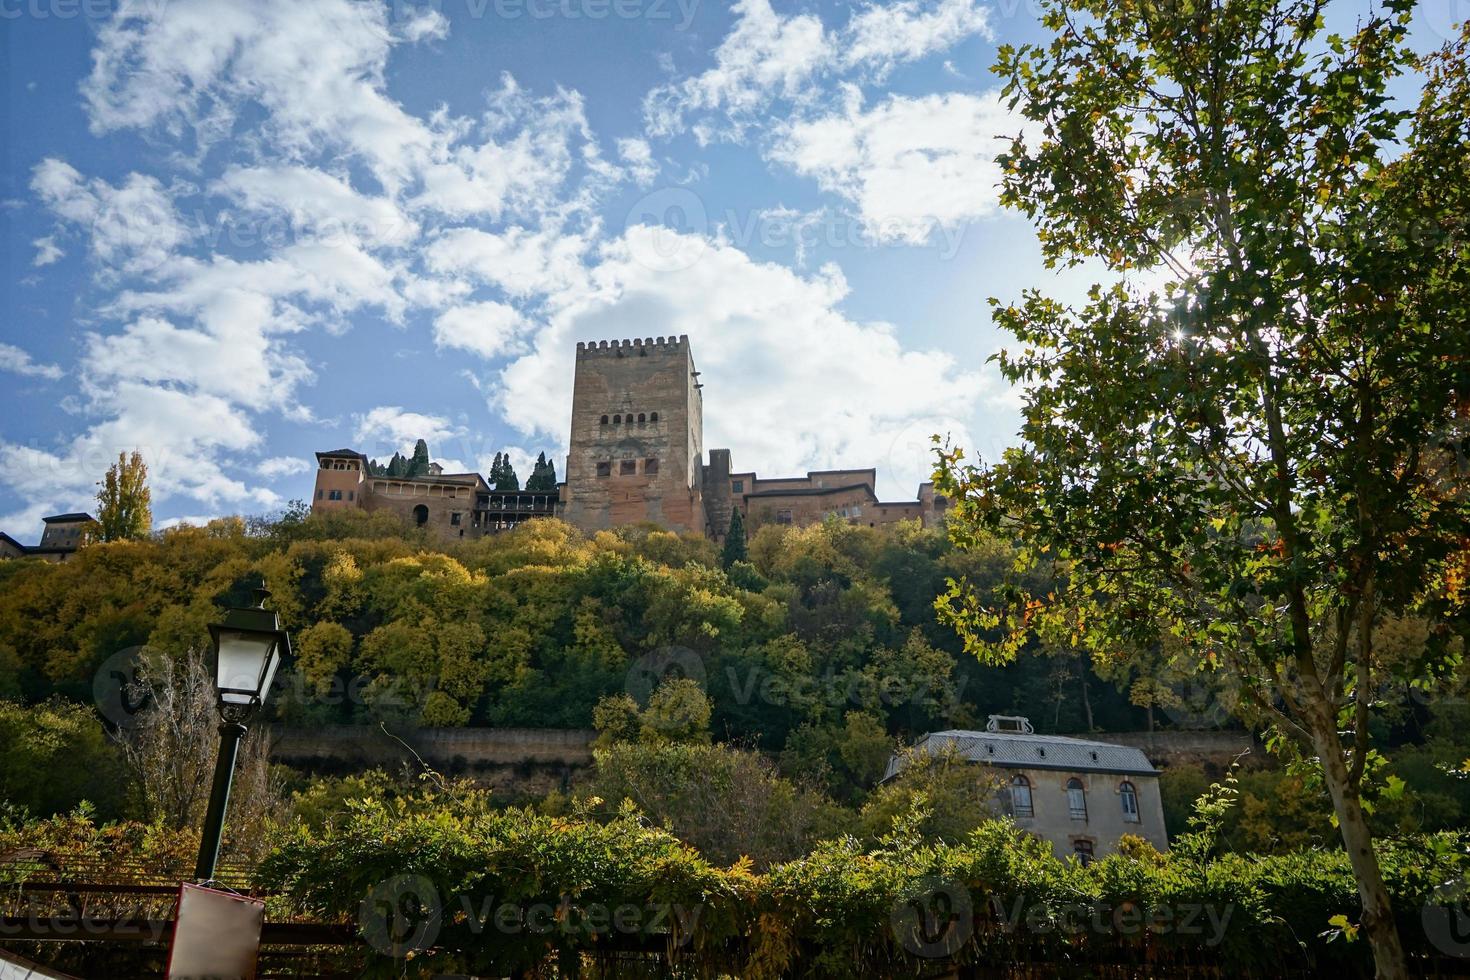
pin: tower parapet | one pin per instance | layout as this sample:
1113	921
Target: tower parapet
635	346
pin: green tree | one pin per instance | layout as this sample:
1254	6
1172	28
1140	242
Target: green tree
503	474
124	502
615	717
321	651
419	465
729	803
678	711
952	796
57	755
543	475
734	549
1248	463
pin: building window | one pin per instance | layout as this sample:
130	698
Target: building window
627	467
1082	848
604	469
454	518
617	419
1021	797
421	515
783	517
650	467
1076	799
737	486
334	494
1129	798
641	418
653	417
604	420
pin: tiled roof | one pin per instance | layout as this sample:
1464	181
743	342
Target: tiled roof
67	518
1014	750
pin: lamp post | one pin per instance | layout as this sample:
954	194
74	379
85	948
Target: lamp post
248	647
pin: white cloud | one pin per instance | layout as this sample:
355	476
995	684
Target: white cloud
791	382
388	429
315	68
133	226
527	151
881	36
319	205
47	251
768	56
425	24
17	361
764	56
637	156
237	364
179	434
488	329
192	520
520	262
279	466
340	277
909	164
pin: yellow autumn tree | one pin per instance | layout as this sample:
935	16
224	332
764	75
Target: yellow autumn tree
124	502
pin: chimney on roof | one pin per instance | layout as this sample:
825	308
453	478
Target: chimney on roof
1010	723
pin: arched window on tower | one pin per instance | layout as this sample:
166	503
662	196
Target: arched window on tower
421	515
604	420
641	418
653	417
617	419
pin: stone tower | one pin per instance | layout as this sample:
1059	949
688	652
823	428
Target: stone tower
637	443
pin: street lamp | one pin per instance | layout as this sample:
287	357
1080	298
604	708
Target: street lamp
248	647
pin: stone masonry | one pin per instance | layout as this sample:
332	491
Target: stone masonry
636	455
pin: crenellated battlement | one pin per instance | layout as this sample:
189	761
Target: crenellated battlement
640	345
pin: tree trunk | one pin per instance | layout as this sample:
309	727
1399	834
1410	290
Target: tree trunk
1378	923
1086	701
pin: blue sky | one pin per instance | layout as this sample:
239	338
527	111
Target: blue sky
237	233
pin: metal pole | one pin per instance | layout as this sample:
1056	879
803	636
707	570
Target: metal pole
230	734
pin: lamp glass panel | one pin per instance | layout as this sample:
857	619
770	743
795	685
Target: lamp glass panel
270	673
242	659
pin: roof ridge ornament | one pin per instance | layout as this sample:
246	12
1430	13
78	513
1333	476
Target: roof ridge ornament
1010	723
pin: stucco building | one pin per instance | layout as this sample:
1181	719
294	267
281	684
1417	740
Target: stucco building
636	453
60	539
452	505
1080	795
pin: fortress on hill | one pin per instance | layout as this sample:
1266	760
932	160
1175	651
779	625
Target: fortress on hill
636	455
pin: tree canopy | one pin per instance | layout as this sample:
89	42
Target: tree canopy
124	502
543	475
1243	472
